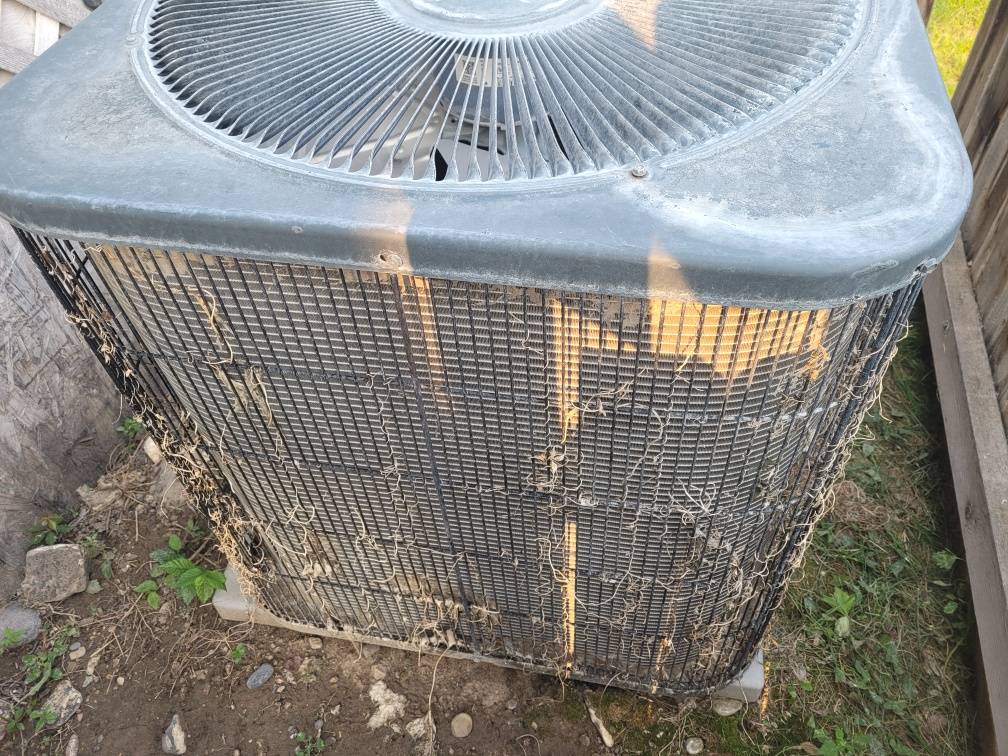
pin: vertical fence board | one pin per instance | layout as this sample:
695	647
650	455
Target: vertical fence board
981	104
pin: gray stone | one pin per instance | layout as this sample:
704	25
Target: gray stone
53	573
726	707
77	653
19	625
64	702
694	746
72	746
260	677
173	740
315	643
462	725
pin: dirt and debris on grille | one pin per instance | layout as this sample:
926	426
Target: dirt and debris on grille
592	487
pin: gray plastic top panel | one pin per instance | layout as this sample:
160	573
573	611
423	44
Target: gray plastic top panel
818	189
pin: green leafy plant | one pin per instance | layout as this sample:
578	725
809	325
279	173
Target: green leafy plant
176	571
238	653
945	559
11	638
130	427
42	718
42	667
15	719
837	743
308	745
191	581
149	589
49	530
194	531
96	549
840	601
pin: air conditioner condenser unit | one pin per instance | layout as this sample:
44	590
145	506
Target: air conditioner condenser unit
533	331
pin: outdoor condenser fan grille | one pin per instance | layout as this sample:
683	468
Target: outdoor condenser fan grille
352	85
533	331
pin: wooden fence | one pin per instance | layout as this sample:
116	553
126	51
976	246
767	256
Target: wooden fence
30	27
967	312
981	105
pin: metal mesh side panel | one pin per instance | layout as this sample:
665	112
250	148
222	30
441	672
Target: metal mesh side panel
613	489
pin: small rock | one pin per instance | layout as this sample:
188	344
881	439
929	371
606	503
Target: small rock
419	728
53	573
726	707
462	725
77	653
120	681
585	741
64	702
19	625
152	451
72	746
512	704
694	746
315	643
93	587
259	677
173	740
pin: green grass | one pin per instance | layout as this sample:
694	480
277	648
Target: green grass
952	28
878	622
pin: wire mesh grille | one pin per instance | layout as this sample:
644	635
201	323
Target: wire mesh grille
608	488
458	90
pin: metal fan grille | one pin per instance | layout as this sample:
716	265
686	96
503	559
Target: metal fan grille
353	86
612	488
